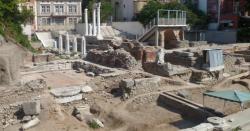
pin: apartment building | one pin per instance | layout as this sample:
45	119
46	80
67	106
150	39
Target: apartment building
224	12
57	14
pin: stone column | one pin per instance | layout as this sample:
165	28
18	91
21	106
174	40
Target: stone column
90	30
99	35
162	39
60	43
75	45
157	37
55	44
83	47
67	43
94	19
86	22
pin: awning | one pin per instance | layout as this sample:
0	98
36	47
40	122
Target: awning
233	96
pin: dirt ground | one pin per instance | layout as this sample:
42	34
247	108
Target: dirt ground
113	113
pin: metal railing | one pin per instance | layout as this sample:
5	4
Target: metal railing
166	18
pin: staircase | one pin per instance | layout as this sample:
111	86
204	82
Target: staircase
164	19
45	38
109	32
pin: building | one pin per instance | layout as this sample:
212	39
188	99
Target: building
30	26
127	10
123	10
57	14
225	12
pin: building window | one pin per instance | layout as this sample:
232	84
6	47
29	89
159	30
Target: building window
59	21
59	9
236	5
45	9
72	9
45	21
72	20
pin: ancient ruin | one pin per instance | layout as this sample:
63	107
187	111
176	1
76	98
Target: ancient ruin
94	80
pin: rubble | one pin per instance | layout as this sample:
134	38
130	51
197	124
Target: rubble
31	108
86	89
26	119
36	84
91	74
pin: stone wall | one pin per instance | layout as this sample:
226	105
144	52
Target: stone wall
187	59
134	87
113	58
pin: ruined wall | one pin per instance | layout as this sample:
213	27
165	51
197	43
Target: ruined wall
187	59
134	87
113	58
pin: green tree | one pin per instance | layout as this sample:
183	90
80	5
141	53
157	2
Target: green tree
194	16
106	9
11	19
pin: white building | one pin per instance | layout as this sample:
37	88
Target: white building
123	10
57	14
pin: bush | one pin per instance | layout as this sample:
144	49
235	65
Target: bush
93	125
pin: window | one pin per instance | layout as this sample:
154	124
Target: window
59	9
45	9
59	21
45	21
236	5
72	20
72	9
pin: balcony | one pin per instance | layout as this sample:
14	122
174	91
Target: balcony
165	19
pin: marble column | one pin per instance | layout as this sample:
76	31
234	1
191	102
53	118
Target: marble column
90	30
86	22
55	44
60	43
83	47
157	37
162	39
94	19
99	35
67	43
75	45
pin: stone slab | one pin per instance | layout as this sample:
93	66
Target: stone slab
68	99
66	91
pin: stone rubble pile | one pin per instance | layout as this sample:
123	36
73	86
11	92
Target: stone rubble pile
89	68
36	84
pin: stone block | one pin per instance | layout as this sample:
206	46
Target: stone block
127	83
31	108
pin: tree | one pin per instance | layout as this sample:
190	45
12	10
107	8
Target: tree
149	11
106	9
11	19
194	17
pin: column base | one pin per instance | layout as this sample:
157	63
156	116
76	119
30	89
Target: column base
100	37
